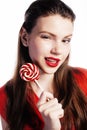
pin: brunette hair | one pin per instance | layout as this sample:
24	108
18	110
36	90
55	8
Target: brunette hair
19	111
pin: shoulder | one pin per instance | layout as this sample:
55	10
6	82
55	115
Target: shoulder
4	97
80	76
80	73
3	100
2	94
78	70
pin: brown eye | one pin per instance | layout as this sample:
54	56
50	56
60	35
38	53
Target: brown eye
66	41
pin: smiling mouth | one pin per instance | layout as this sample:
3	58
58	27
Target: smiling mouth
52	62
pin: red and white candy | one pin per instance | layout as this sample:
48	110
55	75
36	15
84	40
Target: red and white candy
29	72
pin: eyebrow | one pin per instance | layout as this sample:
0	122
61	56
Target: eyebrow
54	34
70	35
47	32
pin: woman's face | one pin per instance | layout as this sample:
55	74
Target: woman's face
49	42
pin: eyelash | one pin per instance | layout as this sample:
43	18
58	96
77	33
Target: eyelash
66	41
48	37
45	37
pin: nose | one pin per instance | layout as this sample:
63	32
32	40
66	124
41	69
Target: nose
57	48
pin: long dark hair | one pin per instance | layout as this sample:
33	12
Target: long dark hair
19	110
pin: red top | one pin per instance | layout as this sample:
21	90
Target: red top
81	79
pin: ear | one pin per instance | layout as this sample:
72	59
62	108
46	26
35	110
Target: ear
24	36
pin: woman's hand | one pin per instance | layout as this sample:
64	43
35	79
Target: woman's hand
51	111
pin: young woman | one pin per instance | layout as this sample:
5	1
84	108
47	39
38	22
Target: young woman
44	40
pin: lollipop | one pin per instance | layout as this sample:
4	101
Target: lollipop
30	72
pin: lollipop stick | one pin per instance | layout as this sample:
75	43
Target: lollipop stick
47	100
38	84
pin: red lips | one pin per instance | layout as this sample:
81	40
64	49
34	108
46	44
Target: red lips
52	62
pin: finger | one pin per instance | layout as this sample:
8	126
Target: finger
47	105
43	97
57	114
54	113
50	106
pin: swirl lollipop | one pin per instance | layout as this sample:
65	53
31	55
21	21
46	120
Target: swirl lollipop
30	72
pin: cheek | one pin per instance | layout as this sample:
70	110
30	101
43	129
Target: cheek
34	50
66	51
40	47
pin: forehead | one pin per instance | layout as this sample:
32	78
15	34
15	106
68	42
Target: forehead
54	24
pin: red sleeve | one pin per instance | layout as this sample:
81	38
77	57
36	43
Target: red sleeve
81	78
3	102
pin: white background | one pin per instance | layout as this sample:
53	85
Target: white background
11	19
